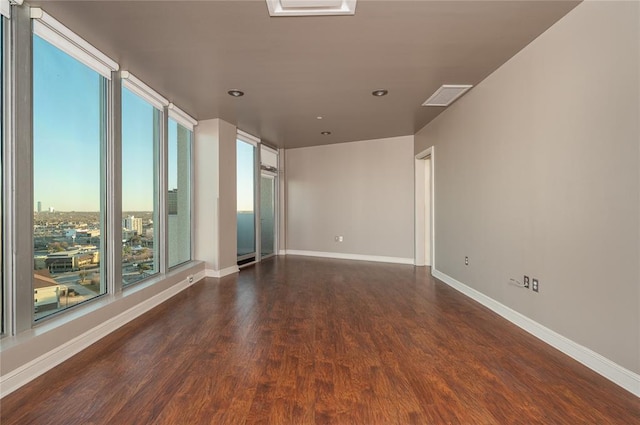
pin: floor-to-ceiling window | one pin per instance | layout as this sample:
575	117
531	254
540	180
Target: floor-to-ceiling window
179	191
141	121
87	153
257	200
246	182
69	135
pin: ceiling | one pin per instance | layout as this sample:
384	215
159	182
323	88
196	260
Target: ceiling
295	69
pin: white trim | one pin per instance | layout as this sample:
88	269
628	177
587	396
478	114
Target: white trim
5	8
266	149
222	273
248	138
357	257
269	148
419	212
298	8
181	117
31	370
282	252
46	27
617	374
144	91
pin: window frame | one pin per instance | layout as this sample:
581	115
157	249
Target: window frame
160	104
46	29
5	90
186	121
17	174
259	170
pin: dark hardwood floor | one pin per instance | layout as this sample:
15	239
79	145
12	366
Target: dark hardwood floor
315	341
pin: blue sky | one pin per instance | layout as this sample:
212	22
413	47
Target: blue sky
137	153
245	167
67	133
67	137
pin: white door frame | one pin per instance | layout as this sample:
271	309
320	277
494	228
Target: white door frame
420	194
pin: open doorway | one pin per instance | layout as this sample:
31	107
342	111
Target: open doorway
424	208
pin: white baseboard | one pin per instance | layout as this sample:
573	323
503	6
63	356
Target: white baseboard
223	272
617	374
199	276
282	252
31	370
357	257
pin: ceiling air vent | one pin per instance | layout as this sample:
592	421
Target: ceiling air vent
446	95
311	7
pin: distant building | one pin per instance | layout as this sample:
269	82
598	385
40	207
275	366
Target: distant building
132	223
39	206
46	291
71	260
87	233
51	209
172	202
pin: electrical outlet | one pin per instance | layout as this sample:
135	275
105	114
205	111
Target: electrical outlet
534	285
466	261
190	278
339	238
526	281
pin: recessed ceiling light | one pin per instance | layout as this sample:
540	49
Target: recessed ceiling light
235	93
319	118
325	133
380	92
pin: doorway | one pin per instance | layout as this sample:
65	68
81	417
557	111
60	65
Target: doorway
424	208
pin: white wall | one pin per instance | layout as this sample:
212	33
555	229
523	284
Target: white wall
537	173
360	190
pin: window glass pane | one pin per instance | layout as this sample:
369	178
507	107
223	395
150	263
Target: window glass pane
246	198
179	196
68	133
140	135
267	215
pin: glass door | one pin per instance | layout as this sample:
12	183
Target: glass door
246	165
267	215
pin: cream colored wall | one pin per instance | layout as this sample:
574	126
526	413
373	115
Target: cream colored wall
360	190
205	202
215	194
282	202
228	194
537	173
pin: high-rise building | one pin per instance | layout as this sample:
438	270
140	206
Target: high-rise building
172	202
132	223
39	206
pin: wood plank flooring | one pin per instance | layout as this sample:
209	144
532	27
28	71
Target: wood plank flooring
316	341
